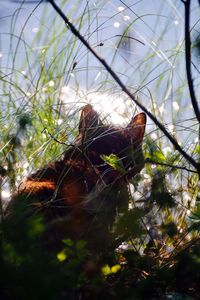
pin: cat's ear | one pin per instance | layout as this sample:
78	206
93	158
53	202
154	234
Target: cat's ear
136	129
89	119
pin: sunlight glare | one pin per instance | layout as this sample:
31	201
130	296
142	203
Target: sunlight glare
51	83
161	108
166	151
120	8
116	24
126	18
112	109
5	195
154	136
171	128
176	105
35	29
59	121
64	89
97	76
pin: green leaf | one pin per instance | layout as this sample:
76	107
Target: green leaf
114	161
36	227
68	242
62	256
156	156
197	150
81	244
115	268
107	270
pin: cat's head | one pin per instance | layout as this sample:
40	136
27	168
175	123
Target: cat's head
112	148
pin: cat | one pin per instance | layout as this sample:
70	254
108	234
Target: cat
83	192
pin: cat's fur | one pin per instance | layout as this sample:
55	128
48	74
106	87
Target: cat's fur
82	190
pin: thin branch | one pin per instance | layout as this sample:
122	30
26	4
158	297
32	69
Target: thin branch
188	59
45	130
124	88
151	161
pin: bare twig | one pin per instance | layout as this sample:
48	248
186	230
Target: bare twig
53	138
151	161
188	59
124	88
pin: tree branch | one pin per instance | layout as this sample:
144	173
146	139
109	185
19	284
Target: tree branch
124	88
188	59
174	167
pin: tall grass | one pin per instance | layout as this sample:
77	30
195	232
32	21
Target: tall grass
47	74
